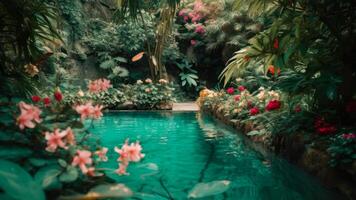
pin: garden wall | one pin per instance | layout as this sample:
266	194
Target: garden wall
312	158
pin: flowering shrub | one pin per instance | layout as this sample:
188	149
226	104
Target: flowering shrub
343	149
49	147
149	95
100	92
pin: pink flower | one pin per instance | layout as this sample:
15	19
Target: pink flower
99	85
55	140
185	18
96	112
102	154
29	115
122	169
85	110
104	84
193	42
241	88
82	159
130	153
182	12
148	80
273	105
91	171
237	97
70	137
254	111
230	90
199	29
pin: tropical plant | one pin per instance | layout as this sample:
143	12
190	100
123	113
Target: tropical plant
166	10
149	95
26	27
46	148
312	39
188	76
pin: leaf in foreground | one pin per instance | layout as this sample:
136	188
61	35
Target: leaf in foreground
208	189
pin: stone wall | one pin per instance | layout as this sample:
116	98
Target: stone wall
312	158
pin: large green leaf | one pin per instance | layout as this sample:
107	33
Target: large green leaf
47	177
17	183
14	152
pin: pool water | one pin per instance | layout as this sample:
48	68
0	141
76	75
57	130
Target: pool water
189	155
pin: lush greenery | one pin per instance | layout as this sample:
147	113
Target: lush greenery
290	71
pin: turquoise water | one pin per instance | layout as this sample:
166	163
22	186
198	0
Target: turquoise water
185	149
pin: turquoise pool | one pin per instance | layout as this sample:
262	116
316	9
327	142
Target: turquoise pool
188	155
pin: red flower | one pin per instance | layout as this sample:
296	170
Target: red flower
351	107
241	88
46	101
276	43
326	130
230	90
36	99
193	42
298	109
271	70
254	111
349	135
322	127
273	105
58	95
237	97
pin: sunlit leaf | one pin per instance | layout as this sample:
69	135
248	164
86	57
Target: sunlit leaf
137	57
209	189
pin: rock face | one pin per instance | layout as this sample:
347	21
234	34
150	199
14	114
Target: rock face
312	158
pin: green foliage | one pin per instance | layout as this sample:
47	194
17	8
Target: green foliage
26	27
72	12
342	149
301	39
111	98
17	183
188	76
149	95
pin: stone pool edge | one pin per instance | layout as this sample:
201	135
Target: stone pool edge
296	150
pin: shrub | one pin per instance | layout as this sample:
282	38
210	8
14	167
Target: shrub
149	95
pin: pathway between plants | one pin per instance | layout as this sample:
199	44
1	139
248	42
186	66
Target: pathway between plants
186	106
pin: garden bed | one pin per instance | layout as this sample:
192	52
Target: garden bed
309	155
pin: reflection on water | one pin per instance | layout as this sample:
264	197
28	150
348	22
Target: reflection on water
188	155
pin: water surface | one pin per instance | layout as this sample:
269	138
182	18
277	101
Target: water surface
183	149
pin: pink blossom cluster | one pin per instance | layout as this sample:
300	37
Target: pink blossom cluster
194	15
128	153
29	116
59	138
83	159
89	111
99	85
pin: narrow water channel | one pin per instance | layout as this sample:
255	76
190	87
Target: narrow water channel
190	156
